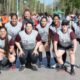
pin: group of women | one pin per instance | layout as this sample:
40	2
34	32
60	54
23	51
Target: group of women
22	40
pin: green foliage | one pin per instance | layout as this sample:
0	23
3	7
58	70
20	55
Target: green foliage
70	5
9	6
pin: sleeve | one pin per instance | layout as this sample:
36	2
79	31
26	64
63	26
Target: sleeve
72	35
11	42
56	37
51	34
18	38
38	38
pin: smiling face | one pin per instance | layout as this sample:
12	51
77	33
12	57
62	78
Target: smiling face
44	22
29	28
27	14
14	20
56	20
3	33
64	28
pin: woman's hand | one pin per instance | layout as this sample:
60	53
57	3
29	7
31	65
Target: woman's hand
21	53
35	52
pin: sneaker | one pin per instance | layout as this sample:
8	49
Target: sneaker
40	64
61	67
58	67
72	72
34	68
48	66
5	67
64	67
21	68
54	66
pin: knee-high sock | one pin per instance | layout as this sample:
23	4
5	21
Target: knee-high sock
48	55
40	56
64	57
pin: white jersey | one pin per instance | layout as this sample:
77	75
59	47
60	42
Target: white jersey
28	41
64	38
13	30
44	32
2	42
54	29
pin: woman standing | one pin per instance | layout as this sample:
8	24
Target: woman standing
27	18
13	27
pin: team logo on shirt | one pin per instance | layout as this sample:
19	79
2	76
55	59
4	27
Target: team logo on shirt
28	44
44	36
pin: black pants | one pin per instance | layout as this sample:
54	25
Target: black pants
28	58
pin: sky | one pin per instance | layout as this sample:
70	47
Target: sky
49	2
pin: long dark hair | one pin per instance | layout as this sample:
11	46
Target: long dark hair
6	48
55	15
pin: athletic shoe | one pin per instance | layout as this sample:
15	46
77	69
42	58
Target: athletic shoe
54	66
34	68
61	67
72	72
40	64
48	66
21	68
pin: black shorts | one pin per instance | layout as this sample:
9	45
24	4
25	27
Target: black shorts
64	48
43	43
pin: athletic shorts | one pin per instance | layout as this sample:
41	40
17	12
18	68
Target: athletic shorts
64	48
43	43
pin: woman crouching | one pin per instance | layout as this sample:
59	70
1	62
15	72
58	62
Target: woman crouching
6	46
65	40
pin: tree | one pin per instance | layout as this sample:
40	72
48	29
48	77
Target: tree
9	6
70	5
